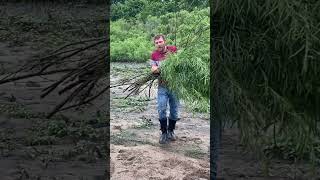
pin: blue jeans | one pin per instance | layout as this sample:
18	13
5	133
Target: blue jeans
165	96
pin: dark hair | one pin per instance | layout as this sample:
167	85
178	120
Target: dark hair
158	37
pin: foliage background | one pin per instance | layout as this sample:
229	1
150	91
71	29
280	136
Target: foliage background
267	74
185	24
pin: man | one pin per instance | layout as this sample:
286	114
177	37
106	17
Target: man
164	94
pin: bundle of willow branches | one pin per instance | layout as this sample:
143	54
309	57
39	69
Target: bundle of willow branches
139	83
267	74
84	67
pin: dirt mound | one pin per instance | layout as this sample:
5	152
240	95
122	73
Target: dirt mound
149	162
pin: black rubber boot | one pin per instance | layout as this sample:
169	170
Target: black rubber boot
172	126
163	127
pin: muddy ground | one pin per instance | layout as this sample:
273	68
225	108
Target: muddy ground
70	145
136	153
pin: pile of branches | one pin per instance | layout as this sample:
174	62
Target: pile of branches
139	83
84	67
267	74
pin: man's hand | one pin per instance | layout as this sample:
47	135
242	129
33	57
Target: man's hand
155	69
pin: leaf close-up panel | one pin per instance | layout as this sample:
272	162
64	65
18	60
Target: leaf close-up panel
265	83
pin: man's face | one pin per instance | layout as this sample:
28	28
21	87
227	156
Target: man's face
159	43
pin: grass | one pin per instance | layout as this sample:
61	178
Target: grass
19	111
144	124
48	131
130	104
127	71
58	29
128	138
194	152
36	140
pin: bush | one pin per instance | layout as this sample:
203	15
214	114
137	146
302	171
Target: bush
269	80
129	42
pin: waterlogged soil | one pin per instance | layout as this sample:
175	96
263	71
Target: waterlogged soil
136	153
70	145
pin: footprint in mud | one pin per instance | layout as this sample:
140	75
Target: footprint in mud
130	157
117	127
194	140
200	174
205	165
171	162
188	166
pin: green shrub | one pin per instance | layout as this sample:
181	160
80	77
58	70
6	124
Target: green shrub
268	78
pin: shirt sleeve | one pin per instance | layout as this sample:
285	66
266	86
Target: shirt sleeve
154	63
172	49
152	60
